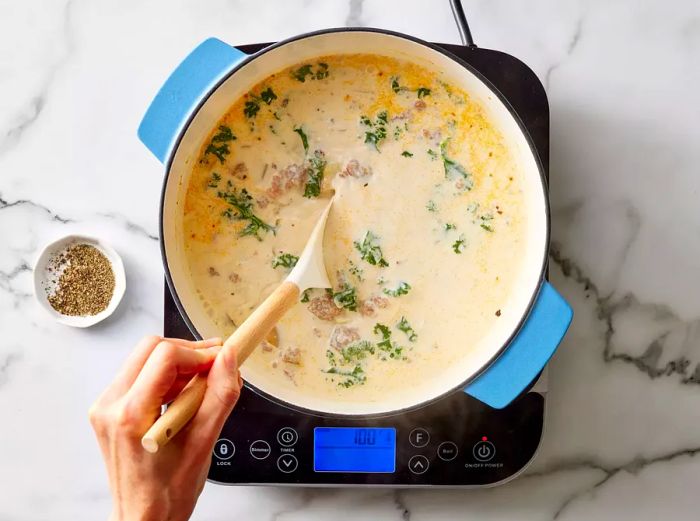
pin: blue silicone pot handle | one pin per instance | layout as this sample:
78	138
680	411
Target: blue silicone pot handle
184	89
527	353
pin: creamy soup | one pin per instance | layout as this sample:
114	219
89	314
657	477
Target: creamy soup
424	244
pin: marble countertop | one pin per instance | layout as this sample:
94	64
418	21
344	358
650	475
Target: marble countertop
623	80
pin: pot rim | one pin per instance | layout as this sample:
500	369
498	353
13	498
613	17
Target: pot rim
501	98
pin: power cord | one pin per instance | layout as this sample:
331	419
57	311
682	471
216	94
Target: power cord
462	26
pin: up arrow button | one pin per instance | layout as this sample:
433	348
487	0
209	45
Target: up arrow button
418	464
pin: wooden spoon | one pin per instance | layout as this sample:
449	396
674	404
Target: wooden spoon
309	272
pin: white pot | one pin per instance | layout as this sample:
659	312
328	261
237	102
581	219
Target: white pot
215	75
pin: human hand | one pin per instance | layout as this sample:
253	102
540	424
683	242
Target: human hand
164	485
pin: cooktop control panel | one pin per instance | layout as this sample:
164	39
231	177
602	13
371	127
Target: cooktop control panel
455	441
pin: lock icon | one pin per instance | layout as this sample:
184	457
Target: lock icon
224	449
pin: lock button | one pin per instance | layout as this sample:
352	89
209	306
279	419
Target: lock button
224	449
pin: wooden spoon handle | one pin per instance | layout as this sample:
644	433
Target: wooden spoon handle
258	325
176	416
244	341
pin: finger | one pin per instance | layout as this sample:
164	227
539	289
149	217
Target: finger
195	344
177	387
167	362
182	381
223	389
133	364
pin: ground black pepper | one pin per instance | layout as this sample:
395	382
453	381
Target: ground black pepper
86	282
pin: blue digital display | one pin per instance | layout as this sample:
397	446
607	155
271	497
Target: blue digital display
350	449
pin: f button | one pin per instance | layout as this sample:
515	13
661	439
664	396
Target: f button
419	437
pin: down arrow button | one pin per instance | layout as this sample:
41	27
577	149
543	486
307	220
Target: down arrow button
287	463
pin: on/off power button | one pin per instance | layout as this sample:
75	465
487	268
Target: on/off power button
484	450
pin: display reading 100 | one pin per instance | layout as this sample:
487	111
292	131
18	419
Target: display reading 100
353	449
365	437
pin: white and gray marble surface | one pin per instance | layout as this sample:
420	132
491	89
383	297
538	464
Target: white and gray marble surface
623	80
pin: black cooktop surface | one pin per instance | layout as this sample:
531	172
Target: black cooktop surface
457	441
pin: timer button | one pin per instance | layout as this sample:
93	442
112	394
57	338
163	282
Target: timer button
260	449
287	463
287	436
447	451
418	464
224	449
484	450
419	437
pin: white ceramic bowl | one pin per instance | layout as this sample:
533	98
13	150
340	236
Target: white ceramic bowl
42	278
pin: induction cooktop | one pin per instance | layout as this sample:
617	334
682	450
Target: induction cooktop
456	441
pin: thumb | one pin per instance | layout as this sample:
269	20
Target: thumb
224	385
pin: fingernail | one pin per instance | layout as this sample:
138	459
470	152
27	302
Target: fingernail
214	339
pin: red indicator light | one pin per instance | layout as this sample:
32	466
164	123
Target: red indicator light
484	438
